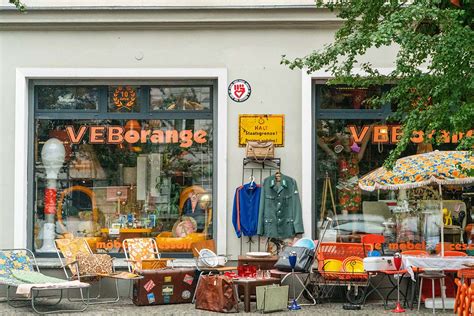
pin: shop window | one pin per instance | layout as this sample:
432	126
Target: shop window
347	148
107	178
67	98
180	98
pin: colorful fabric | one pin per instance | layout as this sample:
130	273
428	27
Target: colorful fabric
349	195
245	210
94	264
442	167
25	276
139	249
9	281
14	260
70	248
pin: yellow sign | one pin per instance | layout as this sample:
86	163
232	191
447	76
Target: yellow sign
261	127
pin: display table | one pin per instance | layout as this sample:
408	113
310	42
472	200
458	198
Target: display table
249	283
129	230
262	263
435	263
125	233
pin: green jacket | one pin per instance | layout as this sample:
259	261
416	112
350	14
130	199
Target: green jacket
280	209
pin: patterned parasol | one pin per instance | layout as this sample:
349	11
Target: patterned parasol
440	167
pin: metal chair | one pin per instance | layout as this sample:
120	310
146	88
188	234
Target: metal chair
68	251
139	249
197	247
303	278
19	267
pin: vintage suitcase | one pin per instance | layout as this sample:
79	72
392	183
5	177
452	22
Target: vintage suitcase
272	298
165	286
378	263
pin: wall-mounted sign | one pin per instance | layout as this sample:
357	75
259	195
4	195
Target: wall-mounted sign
124	97
239	90
119	134
385	134
261	127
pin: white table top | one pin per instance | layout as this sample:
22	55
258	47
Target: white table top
435	263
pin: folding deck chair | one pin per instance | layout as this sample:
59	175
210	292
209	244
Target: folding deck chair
18	269
68	251
142	253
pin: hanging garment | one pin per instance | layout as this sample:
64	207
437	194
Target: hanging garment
280	208
245	212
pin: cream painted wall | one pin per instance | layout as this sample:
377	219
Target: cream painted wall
253	55
163	3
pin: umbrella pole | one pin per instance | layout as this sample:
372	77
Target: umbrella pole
442	220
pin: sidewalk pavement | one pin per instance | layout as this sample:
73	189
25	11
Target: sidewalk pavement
126	307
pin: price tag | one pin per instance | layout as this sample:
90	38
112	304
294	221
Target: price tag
114	231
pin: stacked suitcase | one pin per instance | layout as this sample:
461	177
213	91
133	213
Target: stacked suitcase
165	286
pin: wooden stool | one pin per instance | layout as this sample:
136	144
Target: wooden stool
432	276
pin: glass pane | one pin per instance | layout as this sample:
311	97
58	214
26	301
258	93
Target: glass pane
112	179
341	97
350	149
67	98
180	98
124	99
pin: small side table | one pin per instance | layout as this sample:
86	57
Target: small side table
248	283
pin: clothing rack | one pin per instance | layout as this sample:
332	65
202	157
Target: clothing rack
257	170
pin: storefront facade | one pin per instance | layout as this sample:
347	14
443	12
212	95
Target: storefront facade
195	51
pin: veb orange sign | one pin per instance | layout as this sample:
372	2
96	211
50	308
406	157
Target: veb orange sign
118	135
391	134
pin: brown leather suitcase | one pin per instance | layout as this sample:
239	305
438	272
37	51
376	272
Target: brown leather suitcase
165	286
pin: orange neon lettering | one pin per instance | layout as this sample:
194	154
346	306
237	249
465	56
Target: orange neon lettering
200	136
115	135
144	133
96	135
132	136
358	137
396	134
380	134
171	136
186	137
157	137
417	137
75	139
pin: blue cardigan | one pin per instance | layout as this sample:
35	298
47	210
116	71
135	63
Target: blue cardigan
245	211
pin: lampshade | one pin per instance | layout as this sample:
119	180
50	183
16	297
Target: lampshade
52	156
133	125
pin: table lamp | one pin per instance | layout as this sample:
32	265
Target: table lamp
52	156
294	304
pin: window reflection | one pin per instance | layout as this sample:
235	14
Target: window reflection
67	98
404	217
180	98
111	186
